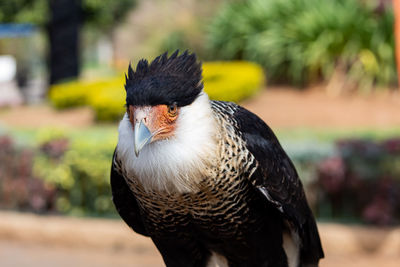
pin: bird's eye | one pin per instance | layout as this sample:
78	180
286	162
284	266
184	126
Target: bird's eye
172	109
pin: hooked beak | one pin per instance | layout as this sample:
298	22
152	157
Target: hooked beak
143	136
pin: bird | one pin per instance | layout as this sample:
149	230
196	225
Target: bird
207	181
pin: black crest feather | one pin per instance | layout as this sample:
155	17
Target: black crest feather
166	80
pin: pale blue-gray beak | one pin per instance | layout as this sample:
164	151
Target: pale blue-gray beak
143	136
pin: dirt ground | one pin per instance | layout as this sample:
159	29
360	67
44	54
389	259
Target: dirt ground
285	107
280	107
31	240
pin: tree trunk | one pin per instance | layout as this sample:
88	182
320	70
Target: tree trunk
63	30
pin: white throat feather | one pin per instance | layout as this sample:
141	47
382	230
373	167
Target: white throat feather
175	164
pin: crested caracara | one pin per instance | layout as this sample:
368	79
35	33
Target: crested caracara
207	180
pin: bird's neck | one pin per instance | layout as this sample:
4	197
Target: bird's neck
179	163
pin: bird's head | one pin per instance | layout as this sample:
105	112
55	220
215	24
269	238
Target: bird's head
156	93
168	134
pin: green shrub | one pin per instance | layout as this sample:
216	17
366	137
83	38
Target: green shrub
230	81
106	96
175	40
19	188
108	102
66	172
300	41
79	93
362	181
70	94
80	171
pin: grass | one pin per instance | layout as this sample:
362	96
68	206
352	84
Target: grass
109	132
30	136
332	134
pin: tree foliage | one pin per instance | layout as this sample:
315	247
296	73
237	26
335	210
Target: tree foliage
24	11
103	14
301	41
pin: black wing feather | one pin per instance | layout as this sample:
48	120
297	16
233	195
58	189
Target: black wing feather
125	202
277	179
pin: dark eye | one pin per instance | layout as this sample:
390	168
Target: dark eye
172	109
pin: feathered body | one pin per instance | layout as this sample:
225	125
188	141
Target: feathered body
219	190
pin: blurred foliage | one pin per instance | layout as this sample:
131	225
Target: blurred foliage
106	97
24	11
19	188
301	41
330	134
189	38
177	39
350	180
183	26
65	172
230	81
101	14
59	174
105	14
80	171
361	181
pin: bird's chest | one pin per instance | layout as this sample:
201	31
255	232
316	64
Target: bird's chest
218	208
222	202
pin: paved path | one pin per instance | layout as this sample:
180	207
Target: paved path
47	241
21	254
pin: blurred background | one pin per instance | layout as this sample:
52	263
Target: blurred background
321	73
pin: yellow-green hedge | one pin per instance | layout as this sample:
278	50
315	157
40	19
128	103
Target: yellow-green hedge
232	81
105	96
229	81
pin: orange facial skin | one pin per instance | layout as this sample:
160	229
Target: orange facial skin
160	119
